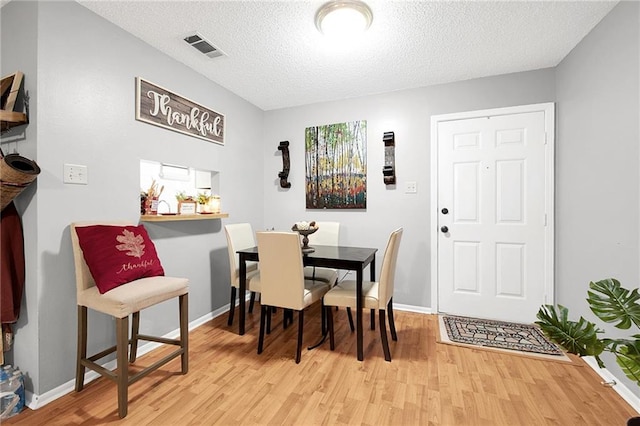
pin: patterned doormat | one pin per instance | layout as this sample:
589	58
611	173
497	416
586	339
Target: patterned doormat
521	339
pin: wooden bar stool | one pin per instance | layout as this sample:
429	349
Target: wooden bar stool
125	299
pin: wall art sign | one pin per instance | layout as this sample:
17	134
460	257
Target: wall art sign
161	107
336	166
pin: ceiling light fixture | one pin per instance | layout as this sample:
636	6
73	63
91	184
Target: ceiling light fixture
341	18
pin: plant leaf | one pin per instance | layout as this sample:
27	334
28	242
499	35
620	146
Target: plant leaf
627	354
580	338
613	303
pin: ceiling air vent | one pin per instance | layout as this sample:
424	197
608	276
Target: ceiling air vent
204	46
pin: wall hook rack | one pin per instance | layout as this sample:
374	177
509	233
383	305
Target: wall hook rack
13	97
389	168
284	174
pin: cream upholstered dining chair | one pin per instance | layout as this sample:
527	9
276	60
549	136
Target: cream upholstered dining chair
239	237
328	234
376	295
118	273
283	282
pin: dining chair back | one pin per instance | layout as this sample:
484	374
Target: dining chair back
239	237
121	302
328	234
388	270
376	295
283	282
281	269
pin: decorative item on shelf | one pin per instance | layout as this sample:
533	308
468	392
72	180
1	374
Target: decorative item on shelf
389	169
187	207
286	165
186	203
203	203
168	209
214	204
151	199
143	202
305	229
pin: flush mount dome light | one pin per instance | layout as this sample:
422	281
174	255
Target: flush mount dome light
343	17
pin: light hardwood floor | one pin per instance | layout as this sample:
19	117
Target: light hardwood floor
427	383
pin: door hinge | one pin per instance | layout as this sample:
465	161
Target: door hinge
545	137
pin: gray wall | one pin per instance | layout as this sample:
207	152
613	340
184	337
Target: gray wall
408	114
19	47
86	69
598	163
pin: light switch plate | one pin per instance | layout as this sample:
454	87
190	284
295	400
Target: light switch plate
75	173
410	187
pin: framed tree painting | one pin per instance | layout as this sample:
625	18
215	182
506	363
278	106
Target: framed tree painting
336	166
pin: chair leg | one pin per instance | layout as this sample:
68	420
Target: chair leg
135	328
122	375
323	319
252	300
183	301
373	319
82	346
332	343
232	306
287	318
263	317
392	323
269	313
350	320
300	327
383	336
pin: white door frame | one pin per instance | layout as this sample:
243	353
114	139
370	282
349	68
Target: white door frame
549	189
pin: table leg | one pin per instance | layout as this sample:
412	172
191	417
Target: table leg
359	303
242	290
372	270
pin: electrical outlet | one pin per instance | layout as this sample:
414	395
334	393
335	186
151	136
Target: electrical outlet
75	173
410	187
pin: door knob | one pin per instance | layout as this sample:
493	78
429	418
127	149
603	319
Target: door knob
444	229
445	210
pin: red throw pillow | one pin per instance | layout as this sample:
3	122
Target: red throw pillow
117	255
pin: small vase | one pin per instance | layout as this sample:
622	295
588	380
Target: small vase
151	206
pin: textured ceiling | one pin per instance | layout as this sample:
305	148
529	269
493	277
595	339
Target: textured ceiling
276	58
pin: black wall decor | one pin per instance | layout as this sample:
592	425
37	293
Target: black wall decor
284	174
389	168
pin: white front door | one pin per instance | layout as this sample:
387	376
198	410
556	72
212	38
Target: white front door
494	206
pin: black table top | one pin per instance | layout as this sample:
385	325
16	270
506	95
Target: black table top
340	257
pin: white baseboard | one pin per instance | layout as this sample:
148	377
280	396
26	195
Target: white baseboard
35	401
622	390
412	308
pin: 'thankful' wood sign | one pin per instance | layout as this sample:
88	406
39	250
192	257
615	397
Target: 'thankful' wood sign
158	106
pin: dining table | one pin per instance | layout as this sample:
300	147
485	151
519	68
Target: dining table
336	257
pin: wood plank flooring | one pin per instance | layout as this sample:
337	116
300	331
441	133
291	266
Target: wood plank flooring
426	383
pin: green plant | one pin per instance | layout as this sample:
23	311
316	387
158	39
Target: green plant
182	196
610	302
203	197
